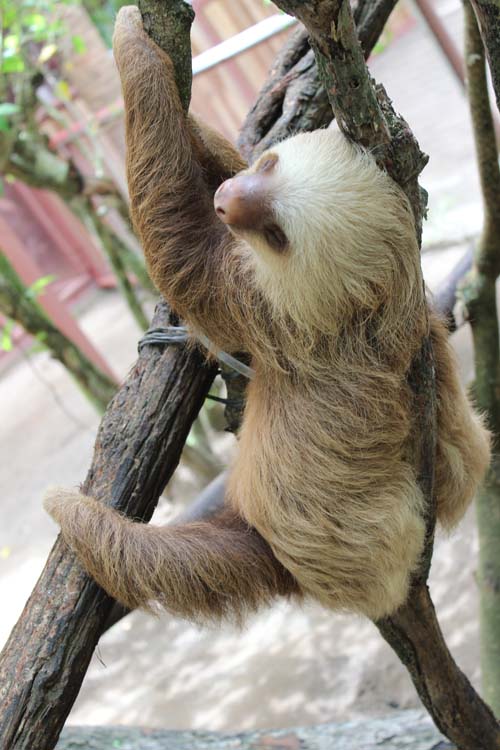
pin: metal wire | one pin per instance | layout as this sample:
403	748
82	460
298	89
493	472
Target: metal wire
179	335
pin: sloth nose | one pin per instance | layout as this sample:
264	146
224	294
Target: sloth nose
242	201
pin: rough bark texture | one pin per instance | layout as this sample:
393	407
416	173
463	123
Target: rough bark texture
403	730
137	450
488	16
480	299
293	98
414	634
169	25
16	303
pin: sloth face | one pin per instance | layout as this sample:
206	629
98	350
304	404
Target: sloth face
323	224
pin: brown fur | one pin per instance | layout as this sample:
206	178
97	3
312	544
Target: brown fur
201	570
332	324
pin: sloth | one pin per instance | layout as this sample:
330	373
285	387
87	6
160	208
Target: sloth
308	260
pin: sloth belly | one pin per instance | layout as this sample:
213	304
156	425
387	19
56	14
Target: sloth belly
348	528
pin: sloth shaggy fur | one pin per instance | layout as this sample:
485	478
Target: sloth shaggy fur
323	287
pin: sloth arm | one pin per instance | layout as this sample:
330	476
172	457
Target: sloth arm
174	165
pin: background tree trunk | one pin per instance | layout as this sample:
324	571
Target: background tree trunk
480	299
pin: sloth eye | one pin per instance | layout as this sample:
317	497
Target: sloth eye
275	237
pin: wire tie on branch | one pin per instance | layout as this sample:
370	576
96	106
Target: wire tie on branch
167	335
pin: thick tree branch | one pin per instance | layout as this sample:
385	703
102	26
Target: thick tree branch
169	25
293	98
137	450
413	632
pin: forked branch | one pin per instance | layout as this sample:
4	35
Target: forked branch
366	115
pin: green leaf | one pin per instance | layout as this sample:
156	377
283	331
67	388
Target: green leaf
12	64
8	16
11	43
8	108
35	22
6	339
78	44
38	286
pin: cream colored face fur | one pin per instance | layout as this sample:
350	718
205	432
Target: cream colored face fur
347	225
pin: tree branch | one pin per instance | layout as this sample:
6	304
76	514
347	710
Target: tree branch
413	632
446	297
168	24
479	294
138	447
488	16
293	98
47	654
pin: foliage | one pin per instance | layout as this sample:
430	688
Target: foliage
29	36
33	62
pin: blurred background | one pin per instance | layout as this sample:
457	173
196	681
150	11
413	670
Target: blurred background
68	253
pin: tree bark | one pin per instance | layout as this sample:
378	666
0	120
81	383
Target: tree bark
458	712
171	32
294	99
488	16
138	447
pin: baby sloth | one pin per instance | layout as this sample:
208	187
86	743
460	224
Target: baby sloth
309	262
